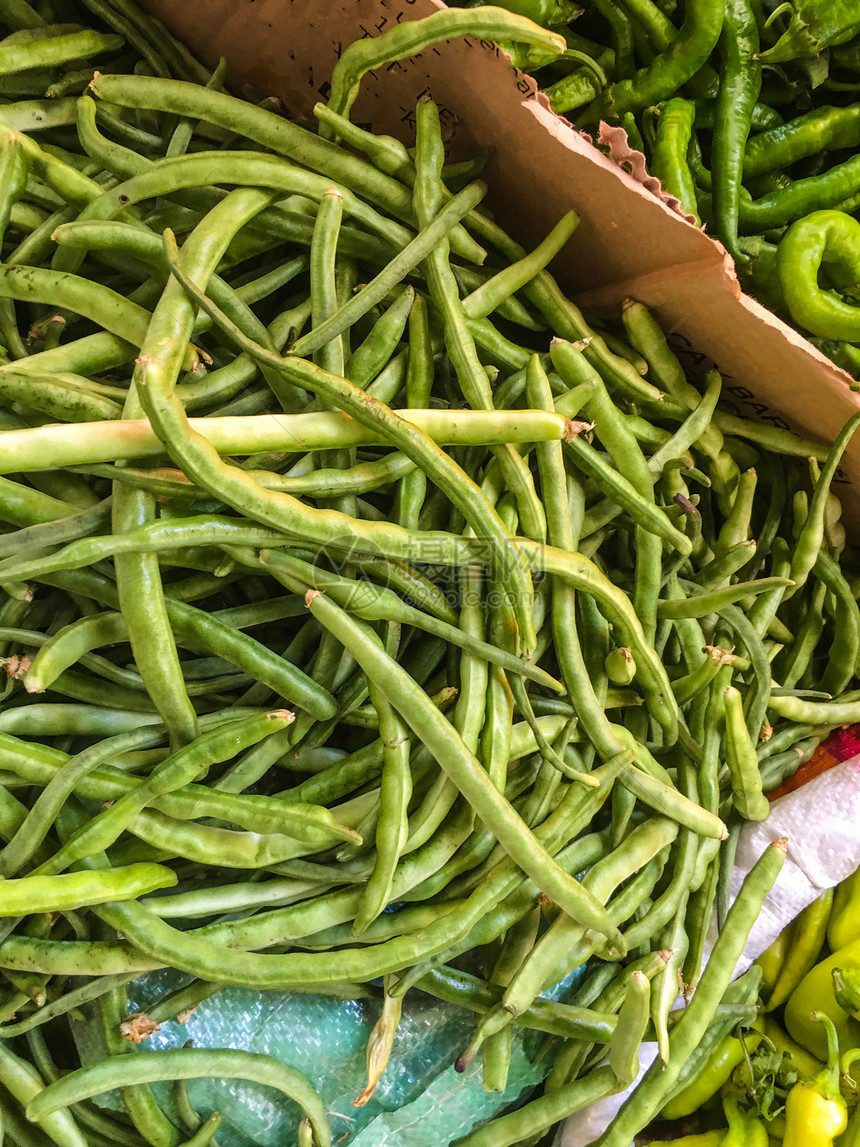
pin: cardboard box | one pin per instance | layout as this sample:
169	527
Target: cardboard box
628	244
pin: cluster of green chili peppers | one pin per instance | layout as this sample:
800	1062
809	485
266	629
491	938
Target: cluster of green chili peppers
448	637
747	112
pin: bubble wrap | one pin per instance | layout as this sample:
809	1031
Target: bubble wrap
326	1040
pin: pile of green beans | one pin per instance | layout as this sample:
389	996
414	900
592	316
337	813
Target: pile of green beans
747	111
451	640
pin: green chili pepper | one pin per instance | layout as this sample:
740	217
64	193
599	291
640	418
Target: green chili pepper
799	1059
740	84
745	1130
771	960
668	70
701	1139
845	989
843	926
669	154
821	239
714	1073
807	938
814	26
823	128
815	991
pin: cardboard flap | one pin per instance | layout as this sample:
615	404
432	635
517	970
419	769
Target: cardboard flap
289	50
628	244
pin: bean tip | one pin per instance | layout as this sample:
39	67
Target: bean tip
285	715
574	427
310	595
781	843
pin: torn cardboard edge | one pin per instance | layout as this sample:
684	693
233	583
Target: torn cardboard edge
628	243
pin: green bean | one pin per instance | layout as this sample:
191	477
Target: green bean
470	279
229	898
453	756
563	935
571	815
175	772
802	712
72	719
755	702
116	314
13	167
21	14
368	359
184	1063
387	153
264	128
375	291
105	783
205	1133
845	647
66	647
53	50
370	412
25	1084
375	603
74	890
700	605
76	525
467	366
467	719
809	541
46	447
23	506
541	1114
644	513
72	958
486	298
160	835
630	1029
691	429
517	904
150	537
412	490
651	1092
69	1002
410	37
393	825
742	761
735	529
468	991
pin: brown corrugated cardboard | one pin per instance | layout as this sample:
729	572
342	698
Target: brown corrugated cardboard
628	244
